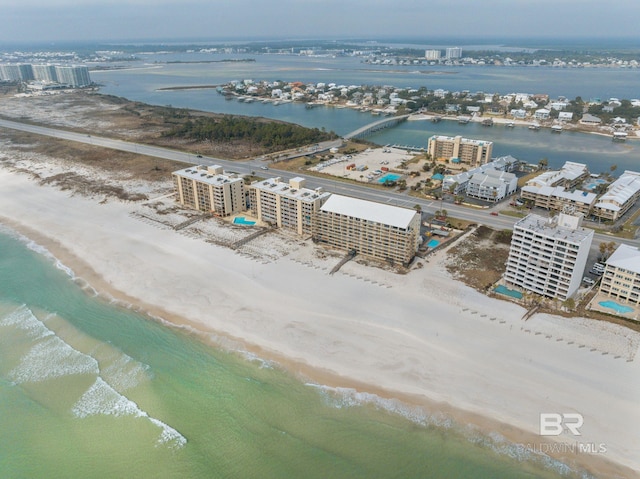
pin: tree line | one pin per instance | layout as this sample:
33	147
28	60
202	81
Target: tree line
272	136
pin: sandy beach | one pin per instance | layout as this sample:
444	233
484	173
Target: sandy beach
422	337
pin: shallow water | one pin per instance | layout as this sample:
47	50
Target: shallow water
89	389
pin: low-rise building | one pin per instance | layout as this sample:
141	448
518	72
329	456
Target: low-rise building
621	278
491	185
208	189
375	230
548	255
456	184
619	197
542	190
286	205
467	151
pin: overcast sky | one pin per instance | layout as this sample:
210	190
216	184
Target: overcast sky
116	20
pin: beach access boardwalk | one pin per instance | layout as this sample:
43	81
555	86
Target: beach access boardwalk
375	126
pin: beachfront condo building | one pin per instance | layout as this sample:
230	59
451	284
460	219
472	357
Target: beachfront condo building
621	195
548	255
208	189
432	55
460	150
286	205
621	278
373	230
73	75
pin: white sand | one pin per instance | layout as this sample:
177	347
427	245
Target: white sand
422	334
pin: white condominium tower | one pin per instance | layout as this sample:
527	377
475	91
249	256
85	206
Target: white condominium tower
548	255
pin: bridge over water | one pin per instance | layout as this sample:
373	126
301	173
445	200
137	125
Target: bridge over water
375	126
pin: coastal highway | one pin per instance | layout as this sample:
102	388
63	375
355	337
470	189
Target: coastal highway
481	216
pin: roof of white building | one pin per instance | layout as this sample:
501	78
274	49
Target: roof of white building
370	211
206	175
620	191
578	196
569	171
549	227
625	257
279	187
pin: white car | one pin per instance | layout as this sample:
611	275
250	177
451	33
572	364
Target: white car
588	281
264	167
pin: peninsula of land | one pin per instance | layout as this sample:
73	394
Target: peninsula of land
422	338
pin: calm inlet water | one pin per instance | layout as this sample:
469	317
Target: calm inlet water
144	80
91	390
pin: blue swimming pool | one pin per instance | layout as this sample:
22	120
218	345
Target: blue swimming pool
618	308
595	183
508	292
433	243
241	220
388	177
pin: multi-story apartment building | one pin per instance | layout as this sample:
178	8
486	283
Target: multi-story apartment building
619	197
548	255
74	76
453	52
457	184
556	189
286	205
621	278
374	230
467	151
491	185
208	189
45	73
432	54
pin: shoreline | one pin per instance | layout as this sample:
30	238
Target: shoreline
464	422
290	358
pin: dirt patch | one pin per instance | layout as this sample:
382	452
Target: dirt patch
479	260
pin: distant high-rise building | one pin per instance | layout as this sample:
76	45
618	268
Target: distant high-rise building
453	52
45	73
10	73
75	76
432	54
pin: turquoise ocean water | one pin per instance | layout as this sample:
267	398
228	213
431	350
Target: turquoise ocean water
94	390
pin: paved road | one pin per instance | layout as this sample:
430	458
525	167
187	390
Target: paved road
482	216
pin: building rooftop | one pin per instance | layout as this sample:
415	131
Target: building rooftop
370	211
462	140
279	187
212	175
554	227
620	191
625	257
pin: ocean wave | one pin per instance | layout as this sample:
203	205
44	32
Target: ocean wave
37	248
24	319
347	397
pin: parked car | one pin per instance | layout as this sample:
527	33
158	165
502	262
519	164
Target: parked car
597	272
588	281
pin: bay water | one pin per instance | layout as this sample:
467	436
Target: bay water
92	389
144	81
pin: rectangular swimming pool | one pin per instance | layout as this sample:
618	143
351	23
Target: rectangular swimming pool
241	220
433	243
508	292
